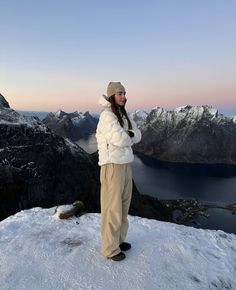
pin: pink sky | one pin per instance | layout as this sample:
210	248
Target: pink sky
59	55
69	94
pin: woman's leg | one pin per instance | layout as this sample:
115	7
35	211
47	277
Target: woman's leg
112	177
126	200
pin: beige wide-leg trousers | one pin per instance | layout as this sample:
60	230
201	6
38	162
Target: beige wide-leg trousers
116	194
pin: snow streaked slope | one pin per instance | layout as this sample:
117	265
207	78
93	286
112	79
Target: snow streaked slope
9	117
139	117
39	251
192	114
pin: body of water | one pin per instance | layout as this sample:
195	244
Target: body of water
152	178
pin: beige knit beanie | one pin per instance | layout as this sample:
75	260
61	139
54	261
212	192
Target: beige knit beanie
114	87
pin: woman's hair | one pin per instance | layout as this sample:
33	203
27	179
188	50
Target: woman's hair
116	111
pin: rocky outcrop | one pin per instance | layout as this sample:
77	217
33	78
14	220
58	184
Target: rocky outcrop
3	102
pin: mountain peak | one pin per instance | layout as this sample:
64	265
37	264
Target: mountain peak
3	102
198	108
59	113
9	116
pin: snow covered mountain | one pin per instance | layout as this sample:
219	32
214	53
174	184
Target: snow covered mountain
12	117
190	134
75	125
40	168
39	251
139	117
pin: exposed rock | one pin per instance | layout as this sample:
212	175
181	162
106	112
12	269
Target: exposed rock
3	102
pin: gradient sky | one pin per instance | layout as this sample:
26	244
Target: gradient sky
62	54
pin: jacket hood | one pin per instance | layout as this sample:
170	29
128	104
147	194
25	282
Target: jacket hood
103	101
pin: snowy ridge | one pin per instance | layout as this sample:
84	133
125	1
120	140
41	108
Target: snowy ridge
75	125
11	117
181	108
58	113
64	254
191	113
197	111
139	116
3	102
194	113
74	148
140	113
76	117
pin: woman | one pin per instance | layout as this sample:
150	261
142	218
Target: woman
116	132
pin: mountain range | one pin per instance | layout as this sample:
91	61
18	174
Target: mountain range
40	168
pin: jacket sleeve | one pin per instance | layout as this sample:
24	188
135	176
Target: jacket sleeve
137	133
114	133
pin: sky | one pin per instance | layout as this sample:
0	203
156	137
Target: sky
62	54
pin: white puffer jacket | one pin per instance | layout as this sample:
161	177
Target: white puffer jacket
113	141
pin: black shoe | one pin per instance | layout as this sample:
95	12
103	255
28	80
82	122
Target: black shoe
118	257
125	246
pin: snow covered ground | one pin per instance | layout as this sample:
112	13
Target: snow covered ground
39	251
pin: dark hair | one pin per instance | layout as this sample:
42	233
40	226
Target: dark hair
116	111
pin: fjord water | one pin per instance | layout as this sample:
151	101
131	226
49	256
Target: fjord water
153	178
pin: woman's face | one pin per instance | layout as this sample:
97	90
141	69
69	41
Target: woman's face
120	98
